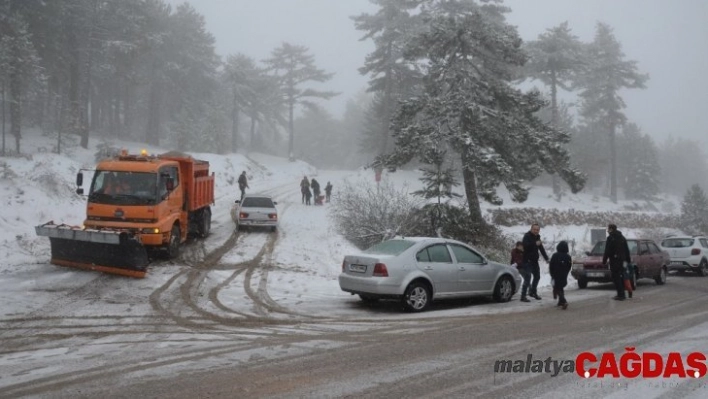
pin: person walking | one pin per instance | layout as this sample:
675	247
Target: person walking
304	188
328	190
559	267
315	185
243	183
517	260
532	246
617	253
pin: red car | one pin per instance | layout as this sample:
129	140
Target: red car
649	260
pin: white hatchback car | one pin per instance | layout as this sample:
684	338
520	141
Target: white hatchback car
255	211
687	253
418	270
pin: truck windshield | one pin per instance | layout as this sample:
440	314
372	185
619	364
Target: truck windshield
123	188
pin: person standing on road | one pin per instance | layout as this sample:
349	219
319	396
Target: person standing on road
559	267
517	260
328	190
243	183
304	188
617	252
532	246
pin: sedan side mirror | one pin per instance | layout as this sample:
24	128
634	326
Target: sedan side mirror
275	203
237	201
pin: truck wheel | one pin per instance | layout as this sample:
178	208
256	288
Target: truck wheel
204	223
173	245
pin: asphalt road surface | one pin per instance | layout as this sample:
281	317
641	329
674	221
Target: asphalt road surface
375	356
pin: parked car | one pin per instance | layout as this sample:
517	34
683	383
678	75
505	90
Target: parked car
648	259
687	253
255	211
418	270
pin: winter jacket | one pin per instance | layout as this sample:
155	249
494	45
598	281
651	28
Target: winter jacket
559	265
315	187
531	250
616	249
242	181
328	189
517	257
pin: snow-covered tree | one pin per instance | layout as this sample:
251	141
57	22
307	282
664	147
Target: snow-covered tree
438	182
556	57
605	75
294	66
469	104
639	164
681	160
694	210
391	77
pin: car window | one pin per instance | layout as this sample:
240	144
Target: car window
257	202
677	242
598	249
643	248
390	247
704	243
653	248
632	244
465	255
422	255
437	253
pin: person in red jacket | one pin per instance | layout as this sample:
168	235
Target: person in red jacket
517	260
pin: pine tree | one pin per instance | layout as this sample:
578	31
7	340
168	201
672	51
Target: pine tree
469	104
438	183
555	59
606	74
294	66
391	77
640	164
694	210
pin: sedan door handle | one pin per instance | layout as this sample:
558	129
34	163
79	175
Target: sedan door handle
428	268
462	268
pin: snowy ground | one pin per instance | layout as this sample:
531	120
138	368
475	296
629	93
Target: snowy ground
283	276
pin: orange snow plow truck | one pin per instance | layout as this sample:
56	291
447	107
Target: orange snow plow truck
138	205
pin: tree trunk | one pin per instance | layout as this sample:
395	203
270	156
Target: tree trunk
152	135
234	124
253	131
470	182
16	107
291	127
3	117
555	123
613	161
74	82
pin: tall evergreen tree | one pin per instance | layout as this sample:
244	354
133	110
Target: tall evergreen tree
694	210
678	156
640	164
438	182
606	74
470	105
391	77
556	57
294	66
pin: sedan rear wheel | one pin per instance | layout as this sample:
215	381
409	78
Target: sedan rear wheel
661	277
417	297
702	268
504	289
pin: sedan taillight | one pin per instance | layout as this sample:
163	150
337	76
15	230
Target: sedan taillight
344	264
273	216
380	270
242	215
696	251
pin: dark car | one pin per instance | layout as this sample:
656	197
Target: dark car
649	260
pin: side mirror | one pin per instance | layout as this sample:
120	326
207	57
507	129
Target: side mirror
80	191
275	203
237	201
79	179
170	184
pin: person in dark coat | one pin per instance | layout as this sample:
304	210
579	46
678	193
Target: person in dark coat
308	196
315	185
617	252
328	190
243	183
532	246
304	188
559	267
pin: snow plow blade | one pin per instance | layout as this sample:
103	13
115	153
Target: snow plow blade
114	252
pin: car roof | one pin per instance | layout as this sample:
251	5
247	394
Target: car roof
257	196
427	239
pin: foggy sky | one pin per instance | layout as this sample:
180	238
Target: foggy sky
668	39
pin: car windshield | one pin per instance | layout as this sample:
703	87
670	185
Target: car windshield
257	202
599	248
390	247
677	243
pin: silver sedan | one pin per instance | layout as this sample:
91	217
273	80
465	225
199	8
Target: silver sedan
255	211
418	270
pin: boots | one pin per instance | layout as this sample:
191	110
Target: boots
524	299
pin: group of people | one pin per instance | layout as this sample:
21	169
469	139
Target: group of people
527	252
312	187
